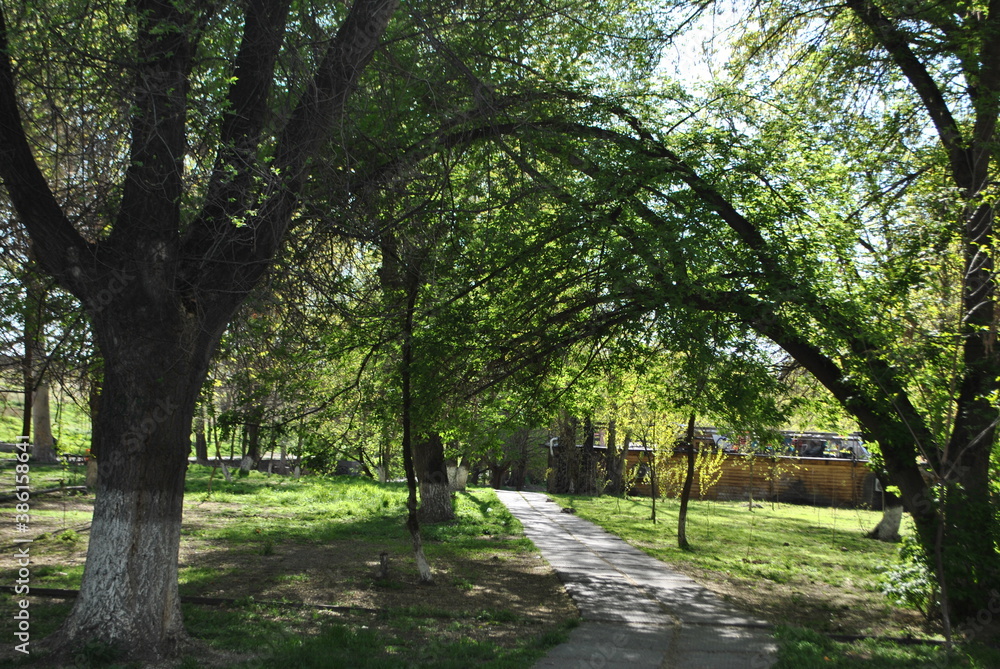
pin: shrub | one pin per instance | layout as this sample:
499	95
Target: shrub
911	582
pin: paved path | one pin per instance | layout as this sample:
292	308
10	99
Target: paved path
637	612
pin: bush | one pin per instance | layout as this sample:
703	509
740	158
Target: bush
911	582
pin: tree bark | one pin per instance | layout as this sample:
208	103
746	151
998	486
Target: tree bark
682	541
587	478
615	461
432	471
129	588
43	447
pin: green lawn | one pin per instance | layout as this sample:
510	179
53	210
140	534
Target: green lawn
70	423
266	542
807	569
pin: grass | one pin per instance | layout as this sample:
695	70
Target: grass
70	423
809	570
806	648
261	541
780	543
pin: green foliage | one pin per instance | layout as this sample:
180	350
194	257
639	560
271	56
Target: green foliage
69	537
910	582
96	654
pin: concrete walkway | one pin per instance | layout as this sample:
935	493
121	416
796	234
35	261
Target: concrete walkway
637	612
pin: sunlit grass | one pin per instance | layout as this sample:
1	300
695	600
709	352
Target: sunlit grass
783	543
810	567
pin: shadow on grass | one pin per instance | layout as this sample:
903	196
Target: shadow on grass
805	648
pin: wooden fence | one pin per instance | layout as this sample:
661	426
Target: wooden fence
818	481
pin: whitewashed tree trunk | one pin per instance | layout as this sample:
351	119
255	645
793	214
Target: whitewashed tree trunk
44	449
130	582
435	501
128	598
888	527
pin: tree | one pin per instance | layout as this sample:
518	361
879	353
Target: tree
942	66
175	253
786	219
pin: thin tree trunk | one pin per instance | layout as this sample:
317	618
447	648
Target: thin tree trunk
412	520
682	541
200	442
654	493
28	384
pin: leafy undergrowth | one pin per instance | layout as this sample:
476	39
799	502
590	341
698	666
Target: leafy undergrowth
265	543
809	570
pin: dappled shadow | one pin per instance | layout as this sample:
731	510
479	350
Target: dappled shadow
343	572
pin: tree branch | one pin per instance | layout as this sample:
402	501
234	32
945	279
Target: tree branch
896	44
151	194
58	247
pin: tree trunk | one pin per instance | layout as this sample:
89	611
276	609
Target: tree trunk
497	472
94	404
888	527
614	461
563	457
435	493
128	598
587	478
384	453
251	454
28	383
44	447
253	441
200	442
682	541
412	514
654	489
520	453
